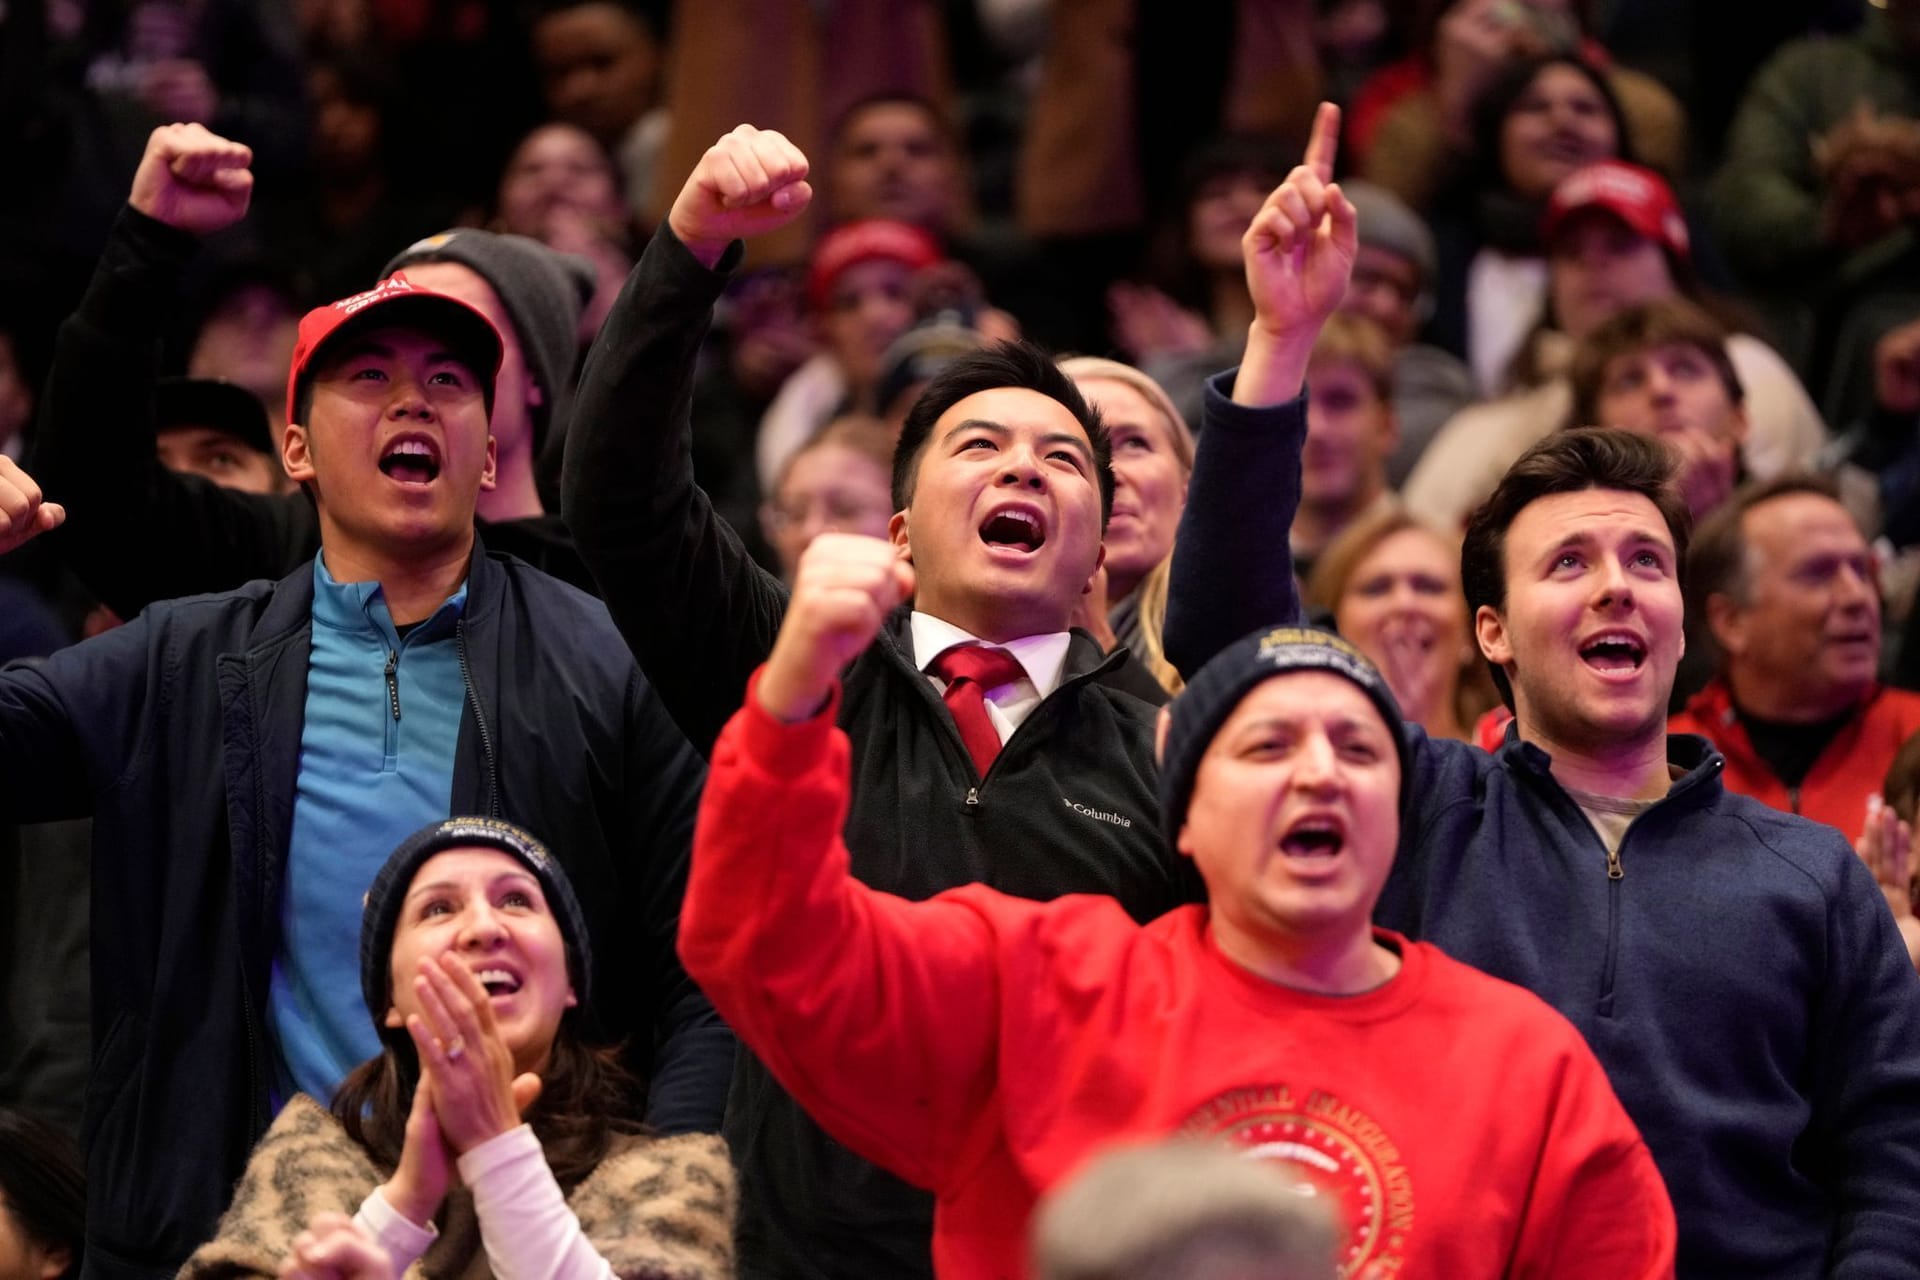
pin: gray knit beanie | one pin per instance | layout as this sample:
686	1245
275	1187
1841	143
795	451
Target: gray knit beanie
545	293
1218	687
1387	223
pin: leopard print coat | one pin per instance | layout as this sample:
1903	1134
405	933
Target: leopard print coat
656	1208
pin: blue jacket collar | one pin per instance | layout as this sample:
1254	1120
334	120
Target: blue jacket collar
1699	763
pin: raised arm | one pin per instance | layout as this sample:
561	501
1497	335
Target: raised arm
698	613
877	1014
143	533
1232	566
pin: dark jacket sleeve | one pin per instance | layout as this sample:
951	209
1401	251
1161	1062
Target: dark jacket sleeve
72	723
136	532
1868	1027
692	1060
698	613
1232	562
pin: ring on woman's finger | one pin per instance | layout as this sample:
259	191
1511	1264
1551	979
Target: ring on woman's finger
456	1048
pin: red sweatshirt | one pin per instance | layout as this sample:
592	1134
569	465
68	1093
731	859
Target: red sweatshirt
984	1046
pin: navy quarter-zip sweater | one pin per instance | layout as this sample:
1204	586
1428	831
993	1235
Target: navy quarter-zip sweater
1740	978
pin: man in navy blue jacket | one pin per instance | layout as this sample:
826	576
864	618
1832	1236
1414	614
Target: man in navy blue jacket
1734	968
248	757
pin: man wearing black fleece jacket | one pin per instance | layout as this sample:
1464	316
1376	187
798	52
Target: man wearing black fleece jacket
1067	806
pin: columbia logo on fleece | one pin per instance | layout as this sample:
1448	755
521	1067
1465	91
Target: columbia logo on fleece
1100	815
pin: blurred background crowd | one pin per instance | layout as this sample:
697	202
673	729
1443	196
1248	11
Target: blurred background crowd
1559	199
1684	217
1078	171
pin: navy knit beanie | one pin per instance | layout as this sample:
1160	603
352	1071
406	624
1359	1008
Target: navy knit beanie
1218	687
382	912
545	293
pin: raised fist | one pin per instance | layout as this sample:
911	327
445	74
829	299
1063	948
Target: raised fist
750	182
843	589
193	179
24	512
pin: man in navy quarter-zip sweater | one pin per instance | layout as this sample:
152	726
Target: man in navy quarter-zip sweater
1734	968
1001	484
249	758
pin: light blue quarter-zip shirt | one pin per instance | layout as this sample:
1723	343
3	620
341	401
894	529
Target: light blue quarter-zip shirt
382	720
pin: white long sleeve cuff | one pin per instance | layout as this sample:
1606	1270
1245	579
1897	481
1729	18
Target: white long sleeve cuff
403	1238
528	1230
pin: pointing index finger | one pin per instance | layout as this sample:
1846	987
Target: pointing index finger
1323	147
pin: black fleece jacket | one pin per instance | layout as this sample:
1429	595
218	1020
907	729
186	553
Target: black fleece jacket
1068	806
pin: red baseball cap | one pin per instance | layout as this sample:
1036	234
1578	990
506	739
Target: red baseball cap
396	301
1638	197
868	240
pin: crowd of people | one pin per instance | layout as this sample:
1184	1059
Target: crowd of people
1110	643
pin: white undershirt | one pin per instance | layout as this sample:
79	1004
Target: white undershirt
1041	657
1504	295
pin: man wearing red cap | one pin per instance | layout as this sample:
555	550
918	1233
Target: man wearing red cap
859	287
248	758
1615	240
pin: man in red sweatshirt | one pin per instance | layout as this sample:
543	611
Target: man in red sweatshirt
984	1046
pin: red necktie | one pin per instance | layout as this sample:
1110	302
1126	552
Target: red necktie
970	670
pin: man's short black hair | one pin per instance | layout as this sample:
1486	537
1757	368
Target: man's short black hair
1566	462
1007	364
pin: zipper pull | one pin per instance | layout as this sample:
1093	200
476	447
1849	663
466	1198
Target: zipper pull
393	681
973	797
1614	870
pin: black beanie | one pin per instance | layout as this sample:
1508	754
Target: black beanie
382	913
545	293
1217	688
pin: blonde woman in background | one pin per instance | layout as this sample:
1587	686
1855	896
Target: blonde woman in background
1392	585
1152	462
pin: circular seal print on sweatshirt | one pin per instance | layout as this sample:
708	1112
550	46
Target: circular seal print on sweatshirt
1335	1153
